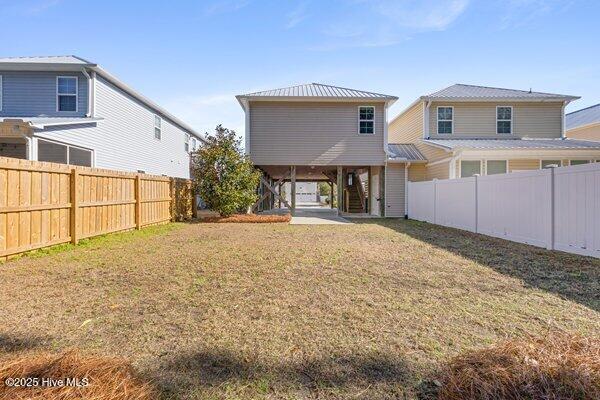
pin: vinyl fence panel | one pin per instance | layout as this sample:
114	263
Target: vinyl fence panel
555	208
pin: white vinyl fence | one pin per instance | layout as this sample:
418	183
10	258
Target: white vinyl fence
556	208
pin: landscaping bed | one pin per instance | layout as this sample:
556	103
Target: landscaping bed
375	309
248	219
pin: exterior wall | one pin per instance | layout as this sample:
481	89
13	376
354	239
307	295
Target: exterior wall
417	172
395	186
306	192
124	140
539	120
375	194
32	94
523	164
438	171
408	127
313	133
591	132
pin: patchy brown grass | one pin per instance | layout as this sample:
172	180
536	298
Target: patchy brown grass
98	378
248	219
560	366
371	310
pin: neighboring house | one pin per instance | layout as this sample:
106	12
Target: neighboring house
584	123
306	192
317	132
464	130
68	110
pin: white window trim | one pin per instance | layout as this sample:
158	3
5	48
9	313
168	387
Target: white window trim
437	120
67	145
159	126
1	92
512	115
366	120
466	159
491	159
187	143
68	94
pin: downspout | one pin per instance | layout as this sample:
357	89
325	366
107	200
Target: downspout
406	190
385	131
563	121
426	107
90	108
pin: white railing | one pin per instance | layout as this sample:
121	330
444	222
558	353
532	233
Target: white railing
557	208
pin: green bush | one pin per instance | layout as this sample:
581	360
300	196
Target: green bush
223	176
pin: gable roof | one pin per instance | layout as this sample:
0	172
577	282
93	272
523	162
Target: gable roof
316	91
465	92
404	152
75	63
513	144
585	116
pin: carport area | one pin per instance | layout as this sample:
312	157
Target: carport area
317	216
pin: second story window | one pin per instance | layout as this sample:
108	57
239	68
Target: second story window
366	120
186	145
157	127
504	120
66	93
445	120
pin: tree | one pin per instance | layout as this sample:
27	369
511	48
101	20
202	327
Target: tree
223	176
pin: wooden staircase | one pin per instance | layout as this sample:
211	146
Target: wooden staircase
356	196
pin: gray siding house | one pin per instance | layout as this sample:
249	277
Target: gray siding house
316	132
66	109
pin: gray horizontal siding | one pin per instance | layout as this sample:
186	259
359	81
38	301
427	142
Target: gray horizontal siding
394	190
33	94
124	140
313	133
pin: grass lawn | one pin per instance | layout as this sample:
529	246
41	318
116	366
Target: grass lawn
369	310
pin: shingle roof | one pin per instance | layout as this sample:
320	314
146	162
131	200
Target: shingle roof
506	144
402	151
585	116
46	60
472	92
312	90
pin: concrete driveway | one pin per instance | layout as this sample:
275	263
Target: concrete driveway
317	216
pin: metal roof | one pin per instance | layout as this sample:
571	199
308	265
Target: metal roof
42	122
405	151
74	63
508	144
317	90
472	92
46	60
585	116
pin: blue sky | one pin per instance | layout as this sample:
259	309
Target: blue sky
193	56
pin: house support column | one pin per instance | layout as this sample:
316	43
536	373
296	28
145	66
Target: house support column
293	194
331	194
382	190
340	189
369	190
279	191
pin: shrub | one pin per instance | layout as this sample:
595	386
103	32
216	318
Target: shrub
559	366
109	378
250	219
223	176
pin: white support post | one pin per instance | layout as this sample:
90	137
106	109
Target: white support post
550	243
434	200
476	204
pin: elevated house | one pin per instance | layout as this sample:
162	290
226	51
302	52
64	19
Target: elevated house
316	132
464	130
584	124
69	110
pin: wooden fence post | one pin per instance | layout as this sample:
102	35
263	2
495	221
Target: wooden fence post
74	206
138	202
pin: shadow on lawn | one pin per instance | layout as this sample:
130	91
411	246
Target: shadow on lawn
573	277
221	371
12	344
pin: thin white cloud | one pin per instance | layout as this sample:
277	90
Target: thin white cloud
380	23
524	12
297	15
34	7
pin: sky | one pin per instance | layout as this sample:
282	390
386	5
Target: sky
193	57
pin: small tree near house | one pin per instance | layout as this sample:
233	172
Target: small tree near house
223	176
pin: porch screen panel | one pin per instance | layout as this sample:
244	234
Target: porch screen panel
80	157
52	152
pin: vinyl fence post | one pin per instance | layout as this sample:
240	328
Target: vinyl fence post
138	202
550	244
74	206
476	204
434	200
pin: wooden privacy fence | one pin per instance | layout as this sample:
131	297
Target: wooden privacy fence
43	204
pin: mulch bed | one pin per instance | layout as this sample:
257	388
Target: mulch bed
249	219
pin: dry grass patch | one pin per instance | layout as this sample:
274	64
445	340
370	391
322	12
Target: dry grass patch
98	378
249	219
560	366
247	311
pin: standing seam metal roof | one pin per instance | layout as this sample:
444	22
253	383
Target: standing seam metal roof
319	90
462	91
585	116
499	144
405	151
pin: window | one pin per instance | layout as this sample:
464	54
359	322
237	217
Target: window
548	163
445	120
64	154
66	93
504	120
469	168
157	127
579	162
366	120
194	144
496	167
186	145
